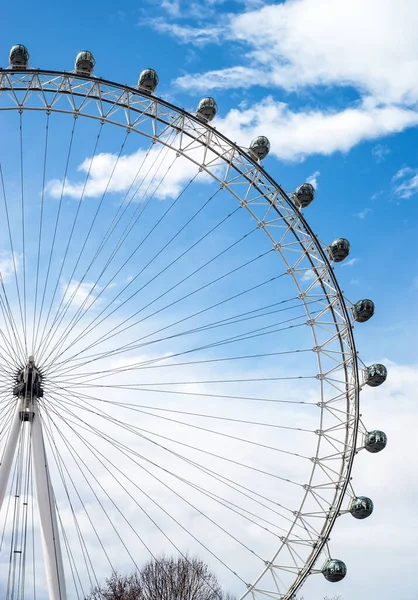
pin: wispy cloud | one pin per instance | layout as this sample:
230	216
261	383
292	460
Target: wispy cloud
273	55
172	7
350	263
308	275
402	173
266	38
9	264
313	179
406	186
380	152
363	213
186	34
376	195
78	293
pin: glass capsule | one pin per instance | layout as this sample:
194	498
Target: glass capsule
361	507
260	147
363	310
148	80
84	63
375	441
376	375
207	109
19	57
335	570
304	194
339	250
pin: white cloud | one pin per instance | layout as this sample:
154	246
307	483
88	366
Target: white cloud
172	7
363	213
350	263
376	195
218	79
378	407
308	275
305	43
184	9
402	173
313	179
302	43
295	135
189	35
380	152
80	293
406	186
310	42
161	175
9	264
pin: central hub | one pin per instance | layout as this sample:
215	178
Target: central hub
28	389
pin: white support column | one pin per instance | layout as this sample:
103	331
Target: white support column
9	453
48	518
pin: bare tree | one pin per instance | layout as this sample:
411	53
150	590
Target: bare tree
166	578
117	587
325	598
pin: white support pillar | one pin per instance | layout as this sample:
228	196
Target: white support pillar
48	518
9	453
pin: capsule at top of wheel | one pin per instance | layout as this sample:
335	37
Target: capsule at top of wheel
361	507
148	80
207	109
339	249
335	570
376	375
84	63
375	441
260	147
304	194
363	310
19	57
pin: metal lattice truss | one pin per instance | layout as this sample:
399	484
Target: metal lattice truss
305	545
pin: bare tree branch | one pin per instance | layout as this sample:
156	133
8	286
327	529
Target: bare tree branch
166	578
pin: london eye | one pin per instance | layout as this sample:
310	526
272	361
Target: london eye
178	365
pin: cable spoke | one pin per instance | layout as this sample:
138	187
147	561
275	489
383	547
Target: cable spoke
195	382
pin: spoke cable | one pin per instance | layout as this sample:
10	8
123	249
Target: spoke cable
59	318
54	236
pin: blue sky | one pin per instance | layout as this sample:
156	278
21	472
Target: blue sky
365	201
333	86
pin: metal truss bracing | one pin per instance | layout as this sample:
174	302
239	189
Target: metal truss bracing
306	261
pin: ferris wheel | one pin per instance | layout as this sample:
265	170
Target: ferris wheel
178	367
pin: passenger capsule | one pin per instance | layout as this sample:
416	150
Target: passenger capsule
19	57
207	109
304	194
375	441
361	507
376	375
84	63
148	80
339	250
335	570
363	310
260	147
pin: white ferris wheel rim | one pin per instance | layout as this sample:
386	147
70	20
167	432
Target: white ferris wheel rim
245	179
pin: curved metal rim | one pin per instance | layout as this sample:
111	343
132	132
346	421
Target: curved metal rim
256	171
